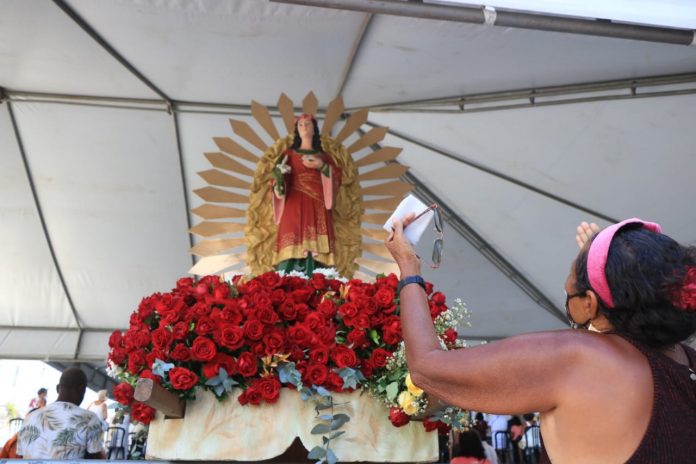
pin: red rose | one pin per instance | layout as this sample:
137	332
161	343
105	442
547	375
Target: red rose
450	335
348	310
141	338
327	308
438	298
185	283
430	425
202	289
302	310
247	364
232	313
391	280
379	357
269	387
170	318
366	304
367	368
277	296
428	288
221	291
136	361
180	330
204	326
384	297
287	310
270	279
334	382
316	374
182	378
300	335
267	315
358	339
253	329
117	356
314	321
203	349
397	417
344	357
123	393
436	310
180	353
230	336
326	334
212	369
253	395
142	413
161	338
301	295
274	341
115	339
318	281
319	355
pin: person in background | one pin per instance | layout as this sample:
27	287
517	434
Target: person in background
98	407
469	449
516	430
63	430
39	401
499	426
481	426
618	388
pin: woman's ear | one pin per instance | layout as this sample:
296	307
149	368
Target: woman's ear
591	305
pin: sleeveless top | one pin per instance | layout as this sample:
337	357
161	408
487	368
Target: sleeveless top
670	436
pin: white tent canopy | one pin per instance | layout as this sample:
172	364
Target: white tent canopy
520	134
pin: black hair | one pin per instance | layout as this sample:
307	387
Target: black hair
643	271
479	416
470	445
42	390
529	416
73	377
316	138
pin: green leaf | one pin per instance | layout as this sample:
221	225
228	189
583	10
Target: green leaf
331	457
374	336
392	391
339	420
336	434
317	453
320	429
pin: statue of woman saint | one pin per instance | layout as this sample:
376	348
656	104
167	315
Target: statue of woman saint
305	182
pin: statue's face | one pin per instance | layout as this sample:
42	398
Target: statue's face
305	128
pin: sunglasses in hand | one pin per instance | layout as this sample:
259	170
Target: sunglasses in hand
438	243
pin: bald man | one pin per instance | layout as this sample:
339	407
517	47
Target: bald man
63	430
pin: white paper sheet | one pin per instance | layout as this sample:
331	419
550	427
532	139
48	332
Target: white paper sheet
415	230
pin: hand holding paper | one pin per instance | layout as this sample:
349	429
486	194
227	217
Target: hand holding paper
411	205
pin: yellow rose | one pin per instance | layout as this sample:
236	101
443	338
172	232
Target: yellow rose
408	403
415	391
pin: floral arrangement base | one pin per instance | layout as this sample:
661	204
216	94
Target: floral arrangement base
226	431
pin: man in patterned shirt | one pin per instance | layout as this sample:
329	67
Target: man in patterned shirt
63	430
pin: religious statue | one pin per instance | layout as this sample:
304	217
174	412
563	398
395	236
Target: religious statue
304	207
305	183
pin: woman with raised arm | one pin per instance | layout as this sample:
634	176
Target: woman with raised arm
623	391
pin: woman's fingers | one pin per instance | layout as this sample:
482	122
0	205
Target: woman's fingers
584	232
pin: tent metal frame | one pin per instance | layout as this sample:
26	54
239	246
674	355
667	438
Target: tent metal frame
494	173
486	15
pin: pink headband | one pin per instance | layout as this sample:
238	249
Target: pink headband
597	257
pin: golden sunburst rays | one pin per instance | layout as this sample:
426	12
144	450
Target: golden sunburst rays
237	232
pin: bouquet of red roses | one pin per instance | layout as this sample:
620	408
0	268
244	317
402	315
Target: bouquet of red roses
261	334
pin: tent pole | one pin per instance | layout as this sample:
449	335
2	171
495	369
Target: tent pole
357	44
42	219
506	18
497	174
